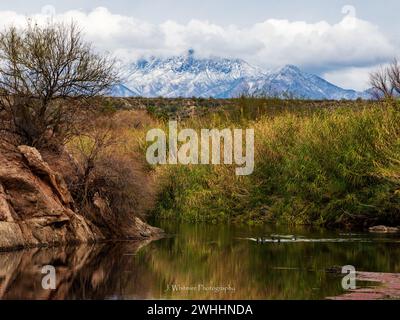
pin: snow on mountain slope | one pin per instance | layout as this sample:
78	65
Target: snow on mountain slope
188	76
290	81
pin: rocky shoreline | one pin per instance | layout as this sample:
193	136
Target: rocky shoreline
37	209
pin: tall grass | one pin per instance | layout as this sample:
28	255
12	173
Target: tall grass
330	166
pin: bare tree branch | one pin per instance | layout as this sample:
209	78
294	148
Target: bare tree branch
394	75
381	84
45	72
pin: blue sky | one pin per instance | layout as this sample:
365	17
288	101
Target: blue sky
343	46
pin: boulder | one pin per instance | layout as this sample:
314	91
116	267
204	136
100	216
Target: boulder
141	229
36	207
41	168
11	236
5	210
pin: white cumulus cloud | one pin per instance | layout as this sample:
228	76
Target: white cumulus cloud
351	44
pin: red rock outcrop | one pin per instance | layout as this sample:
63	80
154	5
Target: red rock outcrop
36	207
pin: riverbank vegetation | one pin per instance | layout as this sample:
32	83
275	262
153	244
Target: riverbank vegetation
322	166
316	163
331	163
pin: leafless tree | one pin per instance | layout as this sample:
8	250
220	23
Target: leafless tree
90	147
394	75
104	172
381	84
47	74
385	82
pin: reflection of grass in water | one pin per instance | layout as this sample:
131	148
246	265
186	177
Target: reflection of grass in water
367	284
199	254
193	258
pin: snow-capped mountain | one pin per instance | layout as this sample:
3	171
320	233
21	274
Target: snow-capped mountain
290	81
188	76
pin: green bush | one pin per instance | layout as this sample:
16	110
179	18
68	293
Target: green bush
336	166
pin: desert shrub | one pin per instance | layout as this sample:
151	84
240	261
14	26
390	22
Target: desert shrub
48	74
110	169
122	184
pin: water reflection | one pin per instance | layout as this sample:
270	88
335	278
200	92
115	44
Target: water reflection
84	272
202	262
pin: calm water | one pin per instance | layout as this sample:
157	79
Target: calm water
202	262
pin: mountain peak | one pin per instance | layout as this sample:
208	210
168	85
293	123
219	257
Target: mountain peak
188	75
290	68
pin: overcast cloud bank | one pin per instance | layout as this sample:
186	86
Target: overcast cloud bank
343	52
